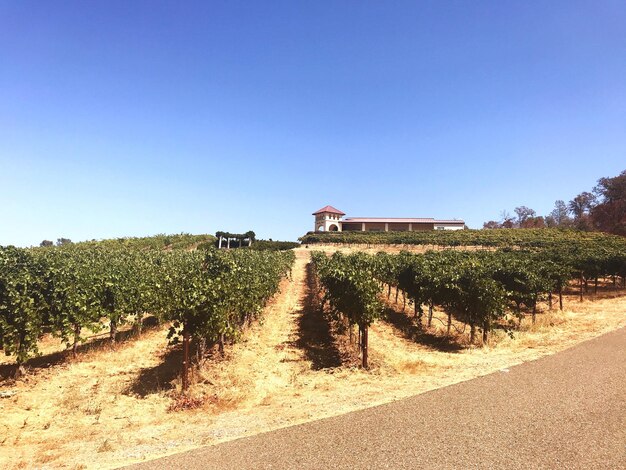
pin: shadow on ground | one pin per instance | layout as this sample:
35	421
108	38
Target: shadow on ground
97	342
155	379
407	327
314	330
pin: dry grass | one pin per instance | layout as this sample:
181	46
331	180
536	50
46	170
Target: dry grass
110	407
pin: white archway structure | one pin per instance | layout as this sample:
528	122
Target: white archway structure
327	219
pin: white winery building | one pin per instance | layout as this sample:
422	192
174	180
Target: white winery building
329	219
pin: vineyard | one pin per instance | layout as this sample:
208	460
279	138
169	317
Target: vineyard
413	316
179	241
482	289
499	238
207	296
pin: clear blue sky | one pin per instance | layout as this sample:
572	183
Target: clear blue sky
135	118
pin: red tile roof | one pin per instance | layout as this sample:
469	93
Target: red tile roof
329	209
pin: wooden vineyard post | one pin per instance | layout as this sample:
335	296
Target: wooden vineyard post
76	339
113	331
486	327
364	346
221	344
185	358
581	286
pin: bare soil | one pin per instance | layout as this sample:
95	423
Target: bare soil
109	407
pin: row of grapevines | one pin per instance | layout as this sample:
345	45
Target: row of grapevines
155	242
211	295
482	287
207	295
351	290
522	238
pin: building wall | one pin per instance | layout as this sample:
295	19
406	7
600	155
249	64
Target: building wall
423	227
323	222
350	227
391	227
397	227
449	227
374	226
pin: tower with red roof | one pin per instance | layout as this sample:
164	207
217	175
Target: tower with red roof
327	219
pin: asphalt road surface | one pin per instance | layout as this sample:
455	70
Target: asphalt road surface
565	411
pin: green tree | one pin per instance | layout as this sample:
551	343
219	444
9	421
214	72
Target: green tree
609	215
580	207
560	215
523	214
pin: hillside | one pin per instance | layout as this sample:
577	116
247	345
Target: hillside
109	406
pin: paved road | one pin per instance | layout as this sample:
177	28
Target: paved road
564	411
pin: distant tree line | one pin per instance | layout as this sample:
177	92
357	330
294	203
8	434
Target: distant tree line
603	209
